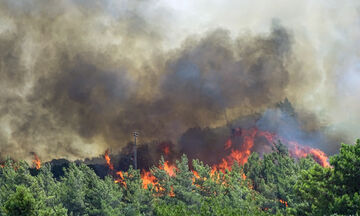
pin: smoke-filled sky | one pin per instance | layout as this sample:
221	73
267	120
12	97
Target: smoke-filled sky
78	76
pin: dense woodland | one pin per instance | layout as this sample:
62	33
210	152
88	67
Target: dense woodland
272	184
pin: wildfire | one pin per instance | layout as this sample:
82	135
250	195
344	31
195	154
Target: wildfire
108	161
121	178
37	161
148	178
237	154
302	151
196	174
169	168
241	154
283	202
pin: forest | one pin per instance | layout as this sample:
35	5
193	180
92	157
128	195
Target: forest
168	107
272	184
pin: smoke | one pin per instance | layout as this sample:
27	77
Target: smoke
77	77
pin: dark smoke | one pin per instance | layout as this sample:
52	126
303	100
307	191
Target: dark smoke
77	79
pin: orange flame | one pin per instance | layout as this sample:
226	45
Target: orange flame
147	178
228	144
283	202
295	149
196	175
239	155
319	156
169	168
121	178
108	160
166	150
37	162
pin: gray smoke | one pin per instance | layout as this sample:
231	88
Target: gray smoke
77	77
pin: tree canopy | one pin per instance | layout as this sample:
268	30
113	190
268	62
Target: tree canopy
275	184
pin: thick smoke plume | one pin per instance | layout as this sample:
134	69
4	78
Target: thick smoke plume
77	77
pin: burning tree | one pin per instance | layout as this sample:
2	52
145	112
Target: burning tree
276	183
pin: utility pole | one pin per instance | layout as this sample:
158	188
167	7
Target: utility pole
135	134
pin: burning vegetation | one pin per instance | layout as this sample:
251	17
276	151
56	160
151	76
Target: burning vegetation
249	156
275	183
239	146
36	161
108	160
217	132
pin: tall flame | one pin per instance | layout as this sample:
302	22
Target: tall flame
37	161
237	155
147	178
108	160
169	168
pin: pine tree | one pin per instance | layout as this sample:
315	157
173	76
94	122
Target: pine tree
21	202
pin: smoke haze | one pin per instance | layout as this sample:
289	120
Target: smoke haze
77	77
